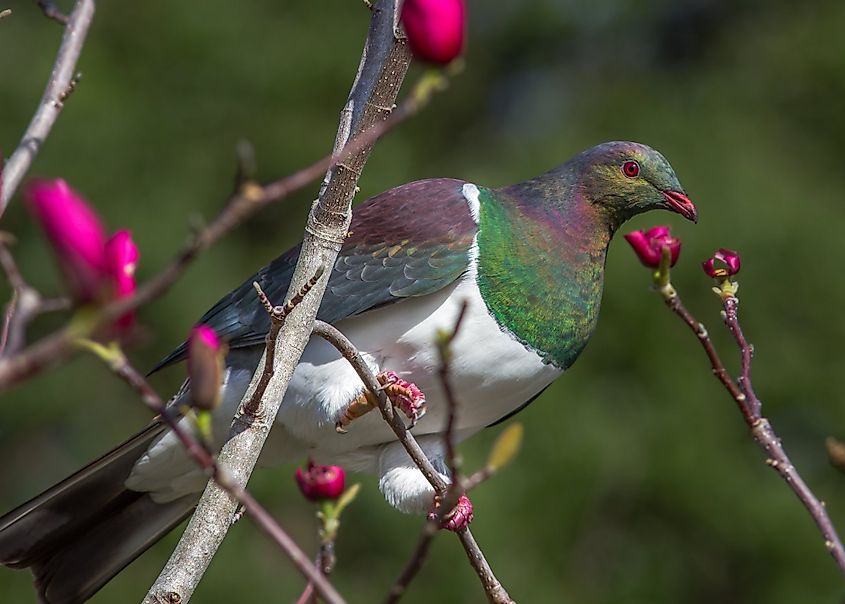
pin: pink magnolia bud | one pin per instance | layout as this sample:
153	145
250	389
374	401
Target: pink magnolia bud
318	482
728	258
205	367
435	29
122	256
76	234
648	245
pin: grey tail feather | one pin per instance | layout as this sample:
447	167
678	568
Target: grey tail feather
81	532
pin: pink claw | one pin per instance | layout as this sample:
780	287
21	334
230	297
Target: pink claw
405	395
459	518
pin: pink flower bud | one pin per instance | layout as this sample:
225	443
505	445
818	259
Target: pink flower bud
122	256
76	234
648	245
205	367
728	258
435	29
320	482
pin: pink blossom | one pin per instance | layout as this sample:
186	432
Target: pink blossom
648	245
728	258
122	257
205	367
76	234
318	482
435	29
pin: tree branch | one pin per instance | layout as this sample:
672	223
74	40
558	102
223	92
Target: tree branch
51	11
120	365
248	198
25	304
347	349
494	590
751	408
383	65
58	86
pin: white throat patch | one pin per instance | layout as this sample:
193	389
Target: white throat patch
470	193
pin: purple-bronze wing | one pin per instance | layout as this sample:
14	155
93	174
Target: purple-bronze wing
409	241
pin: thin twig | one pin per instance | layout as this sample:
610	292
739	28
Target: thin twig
236	488
51	11
496	593
492	587
120	365
449	497
415	562
751	408
444	346
731	304
249	198
342	344
476	478
76	29
306	594
329	516
25	304
384	63
673	301
277	314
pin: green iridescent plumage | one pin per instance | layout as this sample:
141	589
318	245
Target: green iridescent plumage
542	243
540	272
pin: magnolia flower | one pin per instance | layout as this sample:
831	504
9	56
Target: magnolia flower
205	367
76	235
122	258
435	29
319	483
729	260
648	245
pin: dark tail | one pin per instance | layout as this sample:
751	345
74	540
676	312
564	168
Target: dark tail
80	533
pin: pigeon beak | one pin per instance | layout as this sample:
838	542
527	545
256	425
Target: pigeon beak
680	203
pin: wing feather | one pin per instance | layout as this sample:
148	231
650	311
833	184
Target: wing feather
409	241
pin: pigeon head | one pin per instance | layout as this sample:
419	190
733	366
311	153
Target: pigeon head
625	179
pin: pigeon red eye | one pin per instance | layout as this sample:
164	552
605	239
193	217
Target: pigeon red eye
631	169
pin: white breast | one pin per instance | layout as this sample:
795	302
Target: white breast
492	372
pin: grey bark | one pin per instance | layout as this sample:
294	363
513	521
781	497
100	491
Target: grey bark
384	63
51	102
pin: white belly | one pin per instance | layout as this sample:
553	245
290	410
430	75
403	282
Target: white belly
492	373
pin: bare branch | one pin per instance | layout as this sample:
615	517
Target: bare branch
58	85
415	562
26	303
247	199
444	347
334	337
278	314
183	567
493	588
383	65
120	365
751	408
51	11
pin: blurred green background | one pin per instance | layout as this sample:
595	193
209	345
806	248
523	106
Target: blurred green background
638	482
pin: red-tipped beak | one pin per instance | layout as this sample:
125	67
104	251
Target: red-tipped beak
680	203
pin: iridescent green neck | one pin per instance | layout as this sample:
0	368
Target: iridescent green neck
541	267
